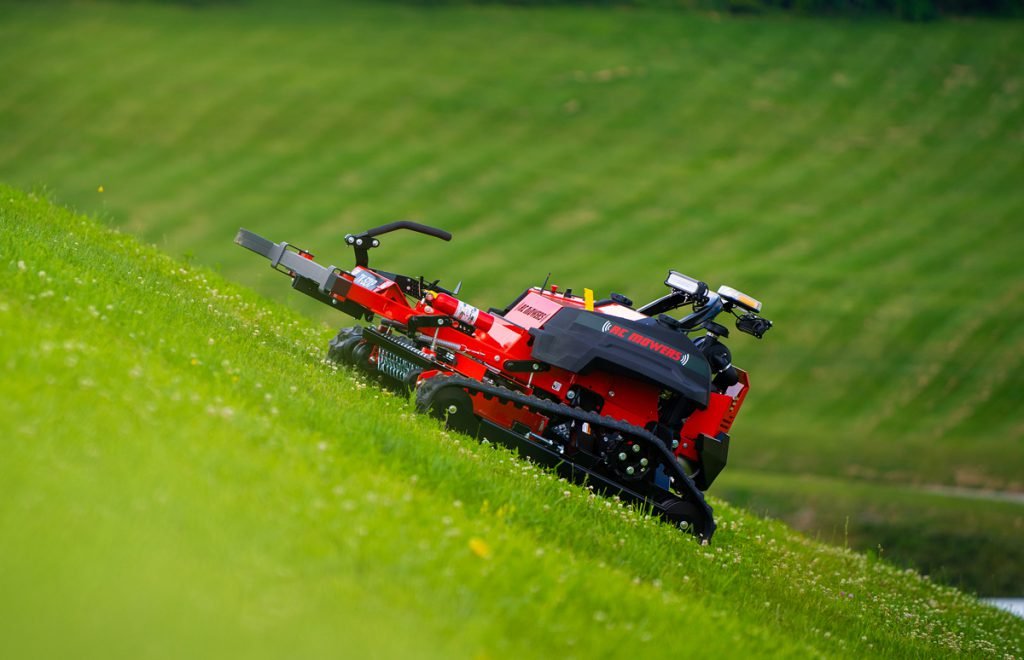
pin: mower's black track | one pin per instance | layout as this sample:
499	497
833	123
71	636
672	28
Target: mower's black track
685	504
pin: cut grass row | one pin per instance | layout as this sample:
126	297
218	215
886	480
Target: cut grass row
185	476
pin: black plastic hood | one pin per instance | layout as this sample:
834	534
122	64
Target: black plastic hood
577	340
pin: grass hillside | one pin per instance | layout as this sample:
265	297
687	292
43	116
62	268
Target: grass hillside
184	476
958	537
862	178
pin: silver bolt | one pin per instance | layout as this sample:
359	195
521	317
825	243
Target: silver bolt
630	470
571	394
452	409
611	393
359	242
643	462
675	443
636	449
622	456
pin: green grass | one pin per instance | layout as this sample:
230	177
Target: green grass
183	475
932	530
862	178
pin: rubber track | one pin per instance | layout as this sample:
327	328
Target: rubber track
682	483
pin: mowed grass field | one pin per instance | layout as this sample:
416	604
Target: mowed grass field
972	540
864	179
174	486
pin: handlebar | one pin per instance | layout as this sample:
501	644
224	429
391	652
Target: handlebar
406	224
361	243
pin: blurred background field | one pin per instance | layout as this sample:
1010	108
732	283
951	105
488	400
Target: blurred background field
864	178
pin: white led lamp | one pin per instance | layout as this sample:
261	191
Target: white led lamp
739	299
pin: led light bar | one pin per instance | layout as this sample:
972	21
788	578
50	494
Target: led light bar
684	283
739	298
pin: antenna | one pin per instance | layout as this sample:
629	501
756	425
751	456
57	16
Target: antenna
545	285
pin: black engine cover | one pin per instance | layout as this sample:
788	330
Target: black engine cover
577	340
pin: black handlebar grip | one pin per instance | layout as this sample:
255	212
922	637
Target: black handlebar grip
407	224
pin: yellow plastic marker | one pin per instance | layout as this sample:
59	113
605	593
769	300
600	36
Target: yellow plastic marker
588	300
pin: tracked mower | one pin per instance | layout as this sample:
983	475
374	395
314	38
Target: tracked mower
608	394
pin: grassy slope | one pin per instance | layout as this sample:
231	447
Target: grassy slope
862	178
967	538
182	474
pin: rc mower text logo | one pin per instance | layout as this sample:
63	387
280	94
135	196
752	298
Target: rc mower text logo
646	342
